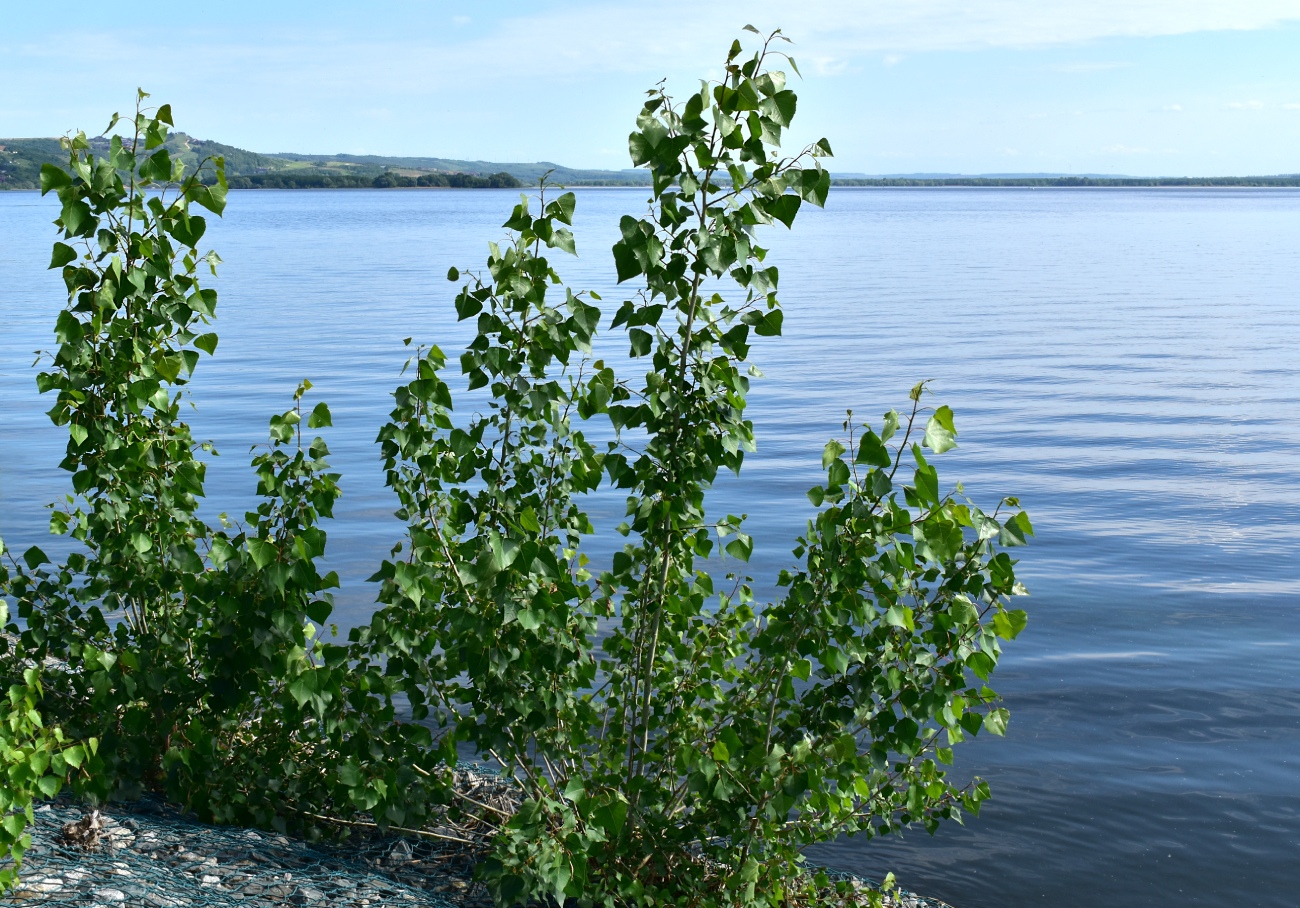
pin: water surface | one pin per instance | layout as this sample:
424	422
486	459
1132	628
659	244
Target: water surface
1124	361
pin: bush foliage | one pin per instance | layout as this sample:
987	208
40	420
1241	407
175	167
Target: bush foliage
674	740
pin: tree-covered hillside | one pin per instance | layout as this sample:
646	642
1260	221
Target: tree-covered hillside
21	160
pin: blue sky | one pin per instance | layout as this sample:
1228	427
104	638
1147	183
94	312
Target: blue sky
1168	87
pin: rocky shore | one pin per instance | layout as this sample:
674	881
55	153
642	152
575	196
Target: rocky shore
148	855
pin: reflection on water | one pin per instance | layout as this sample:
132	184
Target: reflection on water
1124	361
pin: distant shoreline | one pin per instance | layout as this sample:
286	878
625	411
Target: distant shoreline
1280	182
837	184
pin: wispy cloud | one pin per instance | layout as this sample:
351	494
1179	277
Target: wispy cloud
1293	105
618	37
1175	108
1245	105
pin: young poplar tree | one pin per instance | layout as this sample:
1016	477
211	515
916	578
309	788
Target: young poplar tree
675	742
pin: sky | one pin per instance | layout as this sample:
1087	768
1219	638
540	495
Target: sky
1141	87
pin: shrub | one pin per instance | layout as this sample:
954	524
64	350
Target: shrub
673	740
677	743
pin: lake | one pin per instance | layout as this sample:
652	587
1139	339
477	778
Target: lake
1126	361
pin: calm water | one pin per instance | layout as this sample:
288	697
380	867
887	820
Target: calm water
1125	361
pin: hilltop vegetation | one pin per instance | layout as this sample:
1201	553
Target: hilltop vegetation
21	160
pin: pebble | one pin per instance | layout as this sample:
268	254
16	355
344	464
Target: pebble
155	857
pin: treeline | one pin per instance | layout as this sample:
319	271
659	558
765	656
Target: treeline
1283	180
21	160
308	180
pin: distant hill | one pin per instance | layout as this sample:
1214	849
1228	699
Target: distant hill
21	160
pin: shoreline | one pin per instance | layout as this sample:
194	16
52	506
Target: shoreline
150	854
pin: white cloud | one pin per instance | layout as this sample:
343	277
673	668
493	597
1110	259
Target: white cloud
607	30
1291	106
461	20
1245	105
613	36
1124	149
1176	108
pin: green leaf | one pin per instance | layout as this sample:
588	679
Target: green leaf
1021	521
838	475
831	453
1012	533
207	343
783	208
871	450
981	664
62	255
770	326
34	558
741	547
67	328
528	520
927	484
77	219
169	367
638	147
786	102
612	817
53	177
1009	624
500	554
574	790
900	616
562	239
996	721
940	434
262	552
835	661
641	341
320	417
625	262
